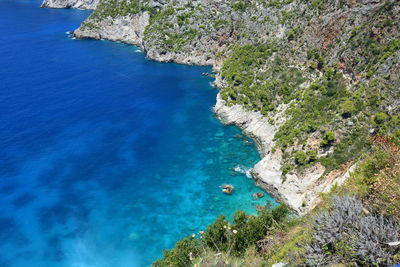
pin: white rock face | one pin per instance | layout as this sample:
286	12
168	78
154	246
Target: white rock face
82	4
252	123
192	58
299	192
128	29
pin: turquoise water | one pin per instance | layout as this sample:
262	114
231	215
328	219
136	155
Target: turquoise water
106	157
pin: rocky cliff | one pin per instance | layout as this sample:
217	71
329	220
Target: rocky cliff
310	81
81	4
127	29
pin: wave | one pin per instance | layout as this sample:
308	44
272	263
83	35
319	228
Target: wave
243	170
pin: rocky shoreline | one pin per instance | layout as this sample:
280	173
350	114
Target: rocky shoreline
80	4
299	191
128	29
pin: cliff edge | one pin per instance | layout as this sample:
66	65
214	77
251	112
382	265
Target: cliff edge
81	4
311	82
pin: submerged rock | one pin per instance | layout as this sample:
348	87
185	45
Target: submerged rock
257	195
227	189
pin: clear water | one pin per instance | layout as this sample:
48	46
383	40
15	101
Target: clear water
106	158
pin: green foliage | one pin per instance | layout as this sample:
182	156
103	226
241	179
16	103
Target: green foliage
317	107
380	118
115	8
244	232
293	33
312	155
328	138
221	236
373	52
313	54
162	29
239	6
373	165
179	255
348	149
255	89
287	168
396	137
215	236
300	157
348	108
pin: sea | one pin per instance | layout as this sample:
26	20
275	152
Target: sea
106	157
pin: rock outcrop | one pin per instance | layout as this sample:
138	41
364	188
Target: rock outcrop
299	191
81	4
127	29
277	62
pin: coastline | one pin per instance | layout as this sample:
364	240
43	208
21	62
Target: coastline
78	4
301	192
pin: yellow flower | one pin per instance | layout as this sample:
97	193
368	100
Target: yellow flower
234	231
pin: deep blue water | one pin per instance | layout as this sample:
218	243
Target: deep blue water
106	157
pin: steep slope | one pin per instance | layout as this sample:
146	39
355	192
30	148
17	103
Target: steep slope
317	85
310	81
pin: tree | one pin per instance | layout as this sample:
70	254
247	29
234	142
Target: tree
348	108
328	138
380	118
300	157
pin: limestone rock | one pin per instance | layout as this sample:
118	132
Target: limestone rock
81	4
128	29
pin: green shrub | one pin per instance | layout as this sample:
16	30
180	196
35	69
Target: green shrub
300	157
179	255
380	118
312	155
239	6
328	138
348	108
221	236
215	235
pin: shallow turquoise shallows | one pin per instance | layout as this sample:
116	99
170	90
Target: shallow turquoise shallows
106	157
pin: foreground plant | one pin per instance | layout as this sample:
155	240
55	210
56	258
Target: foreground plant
347	235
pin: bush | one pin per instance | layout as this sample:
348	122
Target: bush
345	235
348	108
380	118
215	235
239	6
179	255
328	138
221	236
312	155
300	157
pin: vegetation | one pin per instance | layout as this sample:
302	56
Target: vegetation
232	239
352	226
258	90
326	74
115	8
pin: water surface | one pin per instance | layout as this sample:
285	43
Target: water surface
106	157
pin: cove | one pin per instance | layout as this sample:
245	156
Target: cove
106	157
